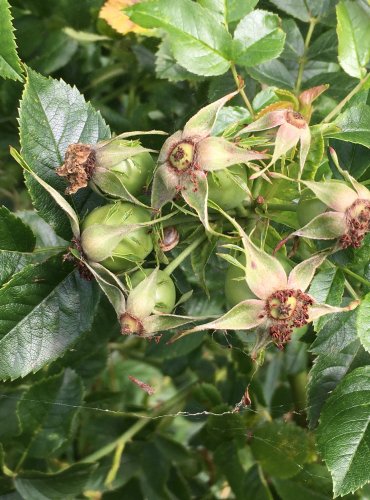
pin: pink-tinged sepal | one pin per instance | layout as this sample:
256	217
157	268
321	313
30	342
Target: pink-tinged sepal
270	120
264	273
318	310
195	193
335	194
308	96
201	124
244	316
301	276
216	153
304	148
165	186
286	138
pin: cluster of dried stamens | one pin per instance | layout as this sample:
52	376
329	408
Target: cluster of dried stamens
78	167
285	310
358	224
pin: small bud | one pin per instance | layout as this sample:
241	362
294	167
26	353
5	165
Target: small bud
170	239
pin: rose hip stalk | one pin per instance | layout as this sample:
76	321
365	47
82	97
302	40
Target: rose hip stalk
281	302
189	154
348	221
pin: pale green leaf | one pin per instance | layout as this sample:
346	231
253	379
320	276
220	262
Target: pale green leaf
198	41
258	38
353	37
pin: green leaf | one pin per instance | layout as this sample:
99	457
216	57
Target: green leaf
198	42
258	38
312	483
273	73
65	485
338	352
327	287
363	322
353	37
294	43
354	125
280	448
9	61
52	116
167	67
237	9
46	413
55	52
13	262
295	8
45	310
343	435
324	47
14	234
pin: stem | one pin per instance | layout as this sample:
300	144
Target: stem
287	207
342	103
242	92
303	59
298	384
134	429
182	256
356	276
350	290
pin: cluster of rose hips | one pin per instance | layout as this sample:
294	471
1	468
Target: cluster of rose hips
197	170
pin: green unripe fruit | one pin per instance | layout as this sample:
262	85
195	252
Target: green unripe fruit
133	247
165	292
135	172
223	190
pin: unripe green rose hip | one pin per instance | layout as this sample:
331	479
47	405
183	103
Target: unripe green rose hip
133	247
165	292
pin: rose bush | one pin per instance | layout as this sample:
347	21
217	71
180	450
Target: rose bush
184	257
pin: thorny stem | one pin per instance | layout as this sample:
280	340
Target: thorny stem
140	424
342	103
303	59
242	92
183	255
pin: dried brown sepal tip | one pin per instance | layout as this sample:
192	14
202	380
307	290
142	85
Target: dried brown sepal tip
78	167
69	257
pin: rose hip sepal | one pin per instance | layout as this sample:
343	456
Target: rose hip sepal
281	302
348	221
189	154
293	128
100	165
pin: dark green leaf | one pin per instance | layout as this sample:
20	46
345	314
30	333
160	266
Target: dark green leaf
65	485
45	309
46	412
198	42
273	73
354	125
258	38
296	8
52	116
343	435
312	483
280	448
56	51
9	61
324	47
339	352
353	37
363	322
294	43
14	234
327	287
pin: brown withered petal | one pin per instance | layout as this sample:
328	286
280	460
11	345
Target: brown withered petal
78	167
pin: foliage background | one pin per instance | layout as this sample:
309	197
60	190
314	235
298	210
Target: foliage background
78	427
